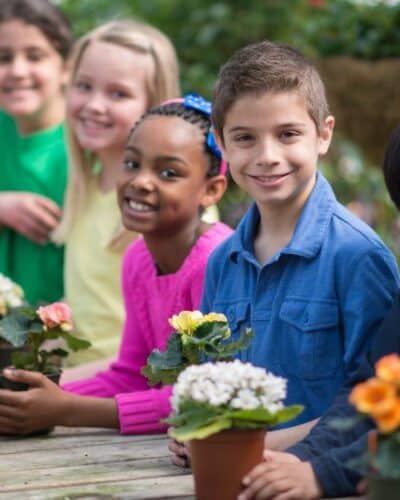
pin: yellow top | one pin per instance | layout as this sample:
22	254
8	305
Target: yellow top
92	277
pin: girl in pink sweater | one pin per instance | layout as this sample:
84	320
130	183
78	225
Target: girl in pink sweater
172	171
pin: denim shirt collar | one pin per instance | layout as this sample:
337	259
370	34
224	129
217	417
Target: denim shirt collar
310	229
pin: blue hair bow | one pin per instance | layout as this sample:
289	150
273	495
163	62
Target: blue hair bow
197	102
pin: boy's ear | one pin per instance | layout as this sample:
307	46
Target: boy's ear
215	189
325	135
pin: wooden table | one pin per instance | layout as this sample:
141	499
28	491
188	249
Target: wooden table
90	464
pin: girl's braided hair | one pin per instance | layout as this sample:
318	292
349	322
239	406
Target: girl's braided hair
192	116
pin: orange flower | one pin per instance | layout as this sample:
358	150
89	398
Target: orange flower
388	368
373	396
389	421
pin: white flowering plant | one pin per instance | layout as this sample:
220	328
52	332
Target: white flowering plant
11	295
197	337
212	397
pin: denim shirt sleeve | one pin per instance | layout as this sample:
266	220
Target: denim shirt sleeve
366	297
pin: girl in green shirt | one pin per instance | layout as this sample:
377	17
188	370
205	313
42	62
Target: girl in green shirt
35	40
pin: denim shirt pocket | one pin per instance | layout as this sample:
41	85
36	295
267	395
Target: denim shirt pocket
238	316
310	347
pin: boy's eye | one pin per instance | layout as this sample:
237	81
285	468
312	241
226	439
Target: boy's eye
289	134
130	164
243	138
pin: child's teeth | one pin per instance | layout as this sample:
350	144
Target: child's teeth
141	207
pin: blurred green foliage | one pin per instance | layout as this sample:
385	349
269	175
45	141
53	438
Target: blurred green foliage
206	32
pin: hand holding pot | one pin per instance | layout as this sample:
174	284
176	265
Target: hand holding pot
180	453
281	474
25	412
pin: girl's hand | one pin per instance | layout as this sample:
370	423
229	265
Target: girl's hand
288	479
180	453
33	410
29	214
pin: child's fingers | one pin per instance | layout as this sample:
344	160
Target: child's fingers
33	379
257	471
179	453
280	456
49	205
44	213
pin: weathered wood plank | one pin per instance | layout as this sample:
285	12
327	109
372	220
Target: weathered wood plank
159	488
83	453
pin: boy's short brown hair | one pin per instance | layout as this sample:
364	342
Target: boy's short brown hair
268	67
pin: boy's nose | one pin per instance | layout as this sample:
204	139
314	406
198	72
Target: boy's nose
268	153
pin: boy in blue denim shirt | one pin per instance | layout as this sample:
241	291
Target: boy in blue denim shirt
311	279
318	465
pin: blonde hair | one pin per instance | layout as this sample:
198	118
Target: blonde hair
162	84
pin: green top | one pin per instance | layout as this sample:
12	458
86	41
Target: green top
35	163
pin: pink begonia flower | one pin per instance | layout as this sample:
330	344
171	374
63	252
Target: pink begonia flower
56	314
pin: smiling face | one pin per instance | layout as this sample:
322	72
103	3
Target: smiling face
32	73
164	181
108	94
272	146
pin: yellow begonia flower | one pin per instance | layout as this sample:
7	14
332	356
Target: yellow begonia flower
186	322
388	368
217	317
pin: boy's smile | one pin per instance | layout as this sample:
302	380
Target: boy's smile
272	146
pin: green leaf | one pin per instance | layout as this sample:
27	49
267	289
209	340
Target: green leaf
62	353
164	367
195	432
158	376
73	342
14	328
262	416
23	360
387	457
171	357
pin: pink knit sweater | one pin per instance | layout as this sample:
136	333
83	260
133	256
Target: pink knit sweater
150	300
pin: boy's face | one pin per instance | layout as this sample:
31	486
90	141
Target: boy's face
272	146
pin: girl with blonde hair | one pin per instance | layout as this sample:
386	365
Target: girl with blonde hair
118	72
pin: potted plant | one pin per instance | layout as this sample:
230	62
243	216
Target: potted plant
27	326
196	338
379	399
223	409
11	296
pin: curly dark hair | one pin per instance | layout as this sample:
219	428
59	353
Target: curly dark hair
192	116
391	166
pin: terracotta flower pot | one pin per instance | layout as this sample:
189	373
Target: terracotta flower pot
220	462
383	489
